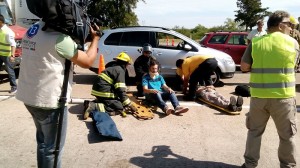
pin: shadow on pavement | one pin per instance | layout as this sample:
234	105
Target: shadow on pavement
84	79
163	157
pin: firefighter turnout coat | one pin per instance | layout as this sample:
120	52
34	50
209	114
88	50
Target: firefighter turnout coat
110	88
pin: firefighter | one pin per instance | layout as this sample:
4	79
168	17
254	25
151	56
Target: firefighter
110	89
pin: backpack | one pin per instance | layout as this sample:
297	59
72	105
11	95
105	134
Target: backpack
242	90
65	16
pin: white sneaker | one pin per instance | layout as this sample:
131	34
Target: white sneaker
180	109
168	110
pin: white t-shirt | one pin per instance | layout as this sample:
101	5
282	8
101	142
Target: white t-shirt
256	33
10	36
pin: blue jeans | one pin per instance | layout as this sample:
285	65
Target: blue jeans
10	70
160	98
46	121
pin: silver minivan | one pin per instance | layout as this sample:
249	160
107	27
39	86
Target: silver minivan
168	46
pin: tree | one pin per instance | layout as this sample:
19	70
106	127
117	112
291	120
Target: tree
114	13
231	25
249	12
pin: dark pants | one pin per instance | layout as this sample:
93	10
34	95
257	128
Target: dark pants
10	71
110	105
139	86
202	74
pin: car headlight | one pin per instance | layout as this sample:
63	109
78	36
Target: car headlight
228	61
18	43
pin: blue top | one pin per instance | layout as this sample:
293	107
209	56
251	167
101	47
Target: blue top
155	83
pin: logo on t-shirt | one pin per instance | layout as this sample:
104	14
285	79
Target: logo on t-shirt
32	31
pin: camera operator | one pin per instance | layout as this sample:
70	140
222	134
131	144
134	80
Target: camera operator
41	79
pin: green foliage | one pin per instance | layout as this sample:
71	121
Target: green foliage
249	12
114	13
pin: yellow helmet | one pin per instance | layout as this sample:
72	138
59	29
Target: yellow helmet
293	20
124	57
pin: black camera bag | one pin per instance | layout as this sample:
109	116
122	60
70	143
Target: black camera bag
64	16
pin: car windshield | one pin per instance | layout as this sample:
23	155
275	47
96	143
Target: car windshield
6	13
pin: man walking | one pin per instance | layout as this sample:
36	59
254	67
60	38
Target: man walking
271	61
7	52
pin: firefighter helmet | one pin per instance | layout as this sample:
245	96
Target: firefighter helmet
124	57
293	20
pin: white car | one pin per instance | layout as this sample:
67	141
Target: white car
168	46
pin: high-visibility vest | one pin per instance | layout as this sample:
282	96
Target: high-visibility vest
272	71
5	48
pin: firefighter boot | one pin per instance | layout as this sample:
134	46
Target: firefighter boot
89	107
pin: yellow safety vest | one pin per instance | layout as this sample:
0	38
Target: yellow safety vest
5	48
272	71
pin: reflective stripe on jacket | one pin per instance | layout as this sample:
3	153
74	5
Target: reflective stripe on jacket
110	84
272	71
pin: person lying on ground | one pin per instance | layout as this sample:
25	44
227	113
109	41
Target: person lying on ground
210	94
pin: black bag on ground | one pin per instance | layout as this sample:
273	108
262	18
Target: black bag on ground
242	90
65	16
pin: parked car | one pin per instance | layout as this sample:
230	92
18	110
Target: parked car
168	46
232	43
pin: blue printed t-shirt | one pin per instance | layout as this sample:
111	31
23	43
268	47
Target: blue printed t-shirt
155	83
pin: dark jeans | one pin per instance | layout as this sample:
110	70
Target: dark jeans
202	74
46	121
159	99
10	70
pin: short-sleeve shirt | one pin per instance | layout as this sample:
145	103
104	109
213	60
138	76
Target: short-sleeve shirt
190	64
66	47
155	83
10	36
256	33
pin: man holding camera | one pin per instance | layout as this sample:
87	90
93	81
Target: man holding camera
41	79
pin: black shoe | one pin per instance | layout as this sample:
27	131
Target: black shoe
232	104
239	103
13	90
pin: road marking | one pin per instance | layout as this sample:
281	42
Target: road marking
79	100
3	98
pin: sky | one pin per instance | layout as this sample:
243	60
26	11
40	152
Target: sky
209	13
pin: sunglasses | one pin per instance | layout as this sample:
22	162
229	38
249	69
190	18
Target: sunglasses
289	24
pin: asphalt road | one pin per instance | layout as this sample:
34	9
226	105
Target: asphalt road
202	138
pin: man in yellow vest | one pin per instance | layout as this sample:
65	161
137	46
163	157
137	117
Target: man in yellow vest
271	60
7	52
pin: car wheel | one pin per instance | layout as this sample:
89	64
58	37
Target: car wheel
215	77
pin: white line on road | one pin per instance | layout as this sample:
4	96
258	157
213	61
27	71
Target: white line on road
79	100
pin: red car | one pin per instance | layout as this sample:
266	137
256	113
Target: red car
232	43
